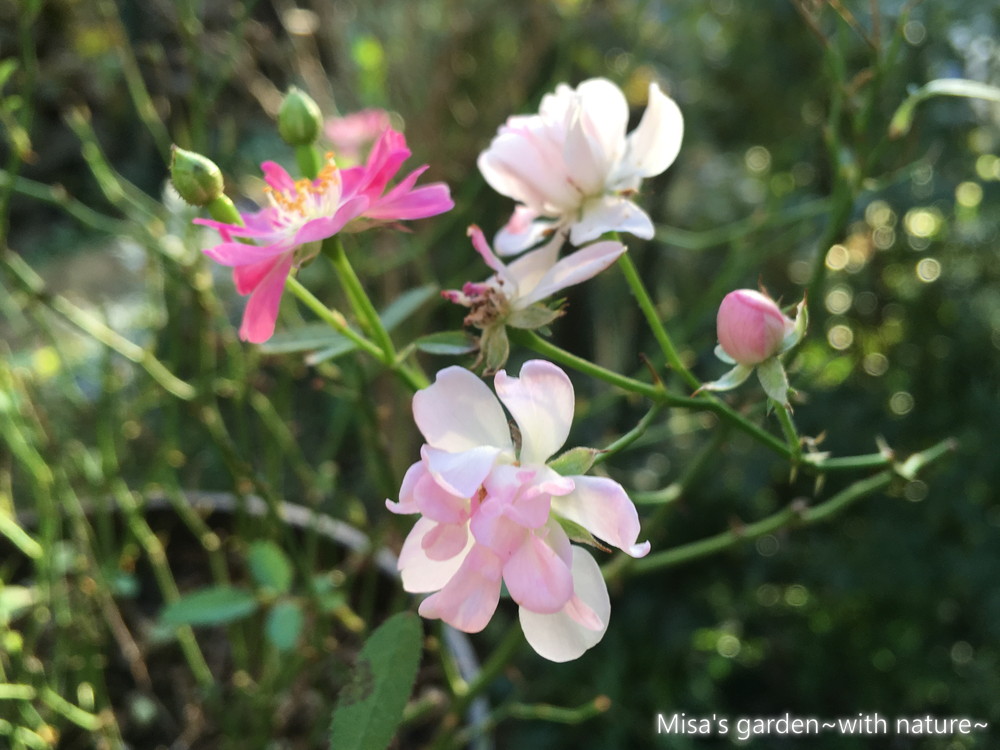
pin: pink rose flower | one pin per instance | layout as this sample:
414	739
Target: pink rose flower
306	211
490	511
351	134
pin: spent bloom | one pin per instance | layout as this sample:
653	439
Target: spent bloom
513	295
301	212
754	332
492	511
572	165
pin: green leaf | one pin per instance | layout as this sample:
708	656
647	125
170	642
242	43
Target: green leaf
575	461
308	337
370	707
405	305
212	606
446	343
730	380
331	352
269	566
284	624
773	379
535	316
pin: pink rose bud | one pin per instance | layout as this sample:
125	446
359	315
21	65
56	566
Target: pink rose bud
751	327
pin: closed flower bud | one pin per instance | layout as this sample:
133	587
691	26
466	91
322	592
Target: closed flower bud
299	119
751	327
195	178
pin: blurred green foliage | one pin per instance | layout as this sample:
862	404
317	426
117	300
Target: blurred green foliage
787	177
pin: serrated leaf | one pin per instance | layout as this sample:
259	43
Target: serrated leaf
212	606
405	305
446	343
494	348
284	624
331	352
575	461
270	566
773	379
370	707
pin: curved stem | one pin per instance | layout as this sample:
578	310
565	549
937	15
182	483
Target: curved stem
653	318
784	412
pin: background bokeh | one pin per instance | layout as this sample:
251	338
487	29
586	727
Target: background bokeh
786	166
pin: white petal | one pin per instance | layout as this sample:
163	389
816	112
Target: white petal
601	506
462	473
522	231
420	574
528	270
574	268
566	635
541	401
610	213
603	116
458	412
655	143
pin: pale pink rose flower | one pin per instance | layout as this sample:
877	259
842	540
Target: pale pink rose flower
490	511
573	166
300	212
751	327
353	133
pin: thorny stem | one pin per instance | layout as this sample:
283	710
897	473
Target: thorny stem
797	514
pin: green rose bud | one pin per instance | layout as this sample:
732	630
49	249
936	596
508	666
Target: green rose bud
299	119
196	178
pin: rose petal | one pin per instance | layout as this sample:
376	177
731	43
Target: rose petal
574	268
458	412
611	213
602	507
541	401
537	578
469	599
261	312
566	635
420	574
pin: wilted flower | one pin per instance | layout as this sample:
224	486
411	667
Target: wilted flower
754	332
306	211
573	166
493	511
353	133
513	295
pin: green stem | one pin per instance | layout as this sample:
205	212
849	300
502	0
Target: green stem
797	513
631	436
360	301
657	393
653	318
309	161
333	318
784	413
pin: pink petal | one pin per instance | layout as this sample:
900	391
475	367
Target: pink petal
407	496
248	278
424	201
276	176
483	248
541	401
445	541
469	599
492	528
241	254
437	503
421	574
537	578
611	213
521	232
601	506
574	268
582	622
262	309
458	412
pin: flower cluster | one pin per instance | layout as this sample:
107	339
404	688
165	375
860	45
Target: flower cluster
491	511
